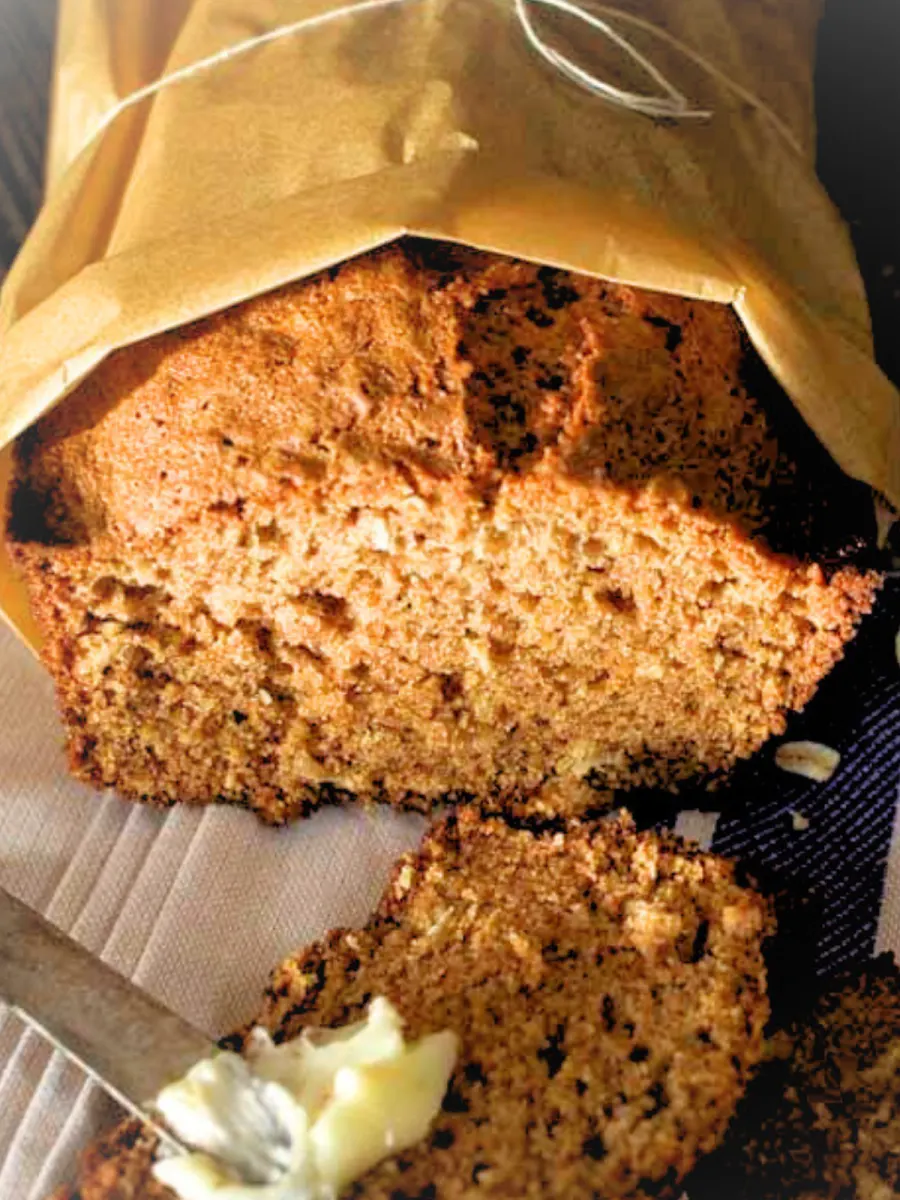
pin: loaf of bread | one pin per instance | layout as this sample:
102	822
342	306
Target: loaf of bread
432	525
822	1120
608	989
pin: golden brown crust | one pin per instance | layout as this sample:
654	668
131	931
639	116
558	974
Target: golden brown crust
433	524
608	988
117	1167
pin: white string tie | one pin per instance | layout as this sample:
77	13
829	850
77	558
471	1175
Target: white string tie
668	103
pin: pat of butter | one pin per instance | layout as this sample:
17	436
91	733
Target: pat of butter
303	1119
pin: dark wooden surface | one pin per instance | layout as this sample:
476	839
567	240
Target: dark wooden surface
26	48
858	103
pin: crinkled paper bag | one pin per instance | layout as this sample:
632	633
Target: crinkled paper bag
203	152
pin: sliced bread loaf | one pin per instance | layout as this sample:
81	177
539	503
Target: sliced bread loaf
433	524
607	987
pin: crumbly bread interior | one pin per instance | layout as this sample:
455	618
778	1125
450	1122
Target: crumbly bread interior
608	989
431	525
822	1120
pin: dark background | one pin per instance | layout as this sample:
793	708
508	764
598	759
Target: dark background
858	110
843	853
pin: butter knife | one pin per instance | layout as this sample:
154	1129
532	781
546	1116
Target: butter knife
132	1045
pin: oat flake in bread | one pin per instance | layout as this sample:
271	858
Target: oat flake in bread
433	524
607	987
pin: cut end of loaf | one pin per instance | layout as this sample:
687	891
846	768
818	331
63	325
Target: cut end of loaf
433	525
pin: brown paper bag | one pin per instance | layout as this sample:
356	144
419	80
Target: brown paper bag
305	144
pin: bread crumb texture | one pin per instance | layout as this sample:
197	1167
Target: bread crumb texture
432	525
608	988
822	1120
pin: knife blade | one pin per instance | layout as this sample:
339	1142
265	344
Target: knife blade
132	1045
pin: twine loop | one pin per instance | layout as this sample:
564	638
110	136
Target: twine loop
667	103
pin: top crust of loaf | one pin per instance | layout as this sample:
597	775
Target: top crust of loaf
469	367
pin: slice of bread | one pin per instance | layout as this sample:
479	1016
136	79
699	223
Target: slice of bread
608	988
433	524
822	1119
